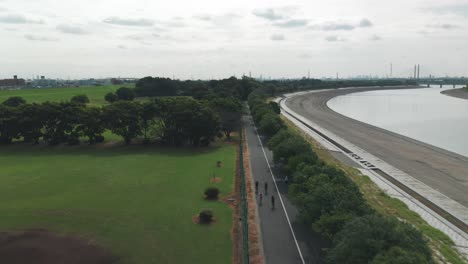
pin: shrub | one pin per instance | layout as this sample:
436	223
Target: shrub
126	94
98	139
212	193
110	97
80	99
205	216
14	101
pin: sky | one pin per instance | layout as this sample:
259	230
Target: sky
207	39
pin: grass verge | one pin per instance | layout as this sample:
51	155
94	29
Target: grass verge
440	243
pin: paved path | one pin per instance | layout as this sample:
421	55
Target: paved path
442	170
279	244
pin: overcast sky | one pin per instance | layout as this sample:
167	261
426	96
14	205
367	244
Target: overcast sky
214	39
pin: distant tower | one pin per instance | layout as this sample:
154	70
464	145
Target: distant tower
418	70
415	69
391	70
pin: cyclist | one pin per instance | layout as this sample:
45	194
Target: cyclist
272	202
256	187
261	196
266	188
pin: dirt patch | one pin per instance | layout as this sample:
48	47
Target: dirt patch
215	179
43	247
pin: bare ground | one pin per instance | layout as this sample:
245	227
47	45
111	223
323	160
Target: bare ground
40	246
461	93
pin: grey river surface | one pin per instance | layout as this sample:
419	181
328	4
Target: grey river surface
421	114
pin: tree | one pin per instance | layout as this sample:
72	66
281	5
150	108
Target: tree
149	114
14	101
60	122
91	124
229	111
81	99
186	120
9	128
123	119
275	106
270	124
111	97
125	94
30	122
362	239
150	86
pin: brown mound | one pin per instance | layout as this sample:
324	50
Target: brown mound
215	179
44	247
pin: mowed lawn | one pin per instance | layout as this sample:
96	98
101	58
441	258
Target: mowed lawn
38	95
137	201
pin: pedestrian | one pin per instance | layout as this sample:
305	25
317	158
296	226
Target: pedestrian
256	187
286	179
266	188
272	202
261	196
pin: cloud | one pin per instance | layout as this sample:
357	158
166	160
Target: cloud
122	47
277	37
375	38
39	38
218	20
2	9
459	10
136	22
269	14
365	23
292	23
342	25
203	17
175	22
332	26
18	19
334	39
69	29
443	26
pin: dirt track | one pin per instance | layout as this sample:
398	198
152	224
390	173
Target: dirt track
458	93
444	171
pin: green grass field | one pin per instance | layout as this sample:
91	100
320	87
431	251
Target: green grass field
137	201
95	93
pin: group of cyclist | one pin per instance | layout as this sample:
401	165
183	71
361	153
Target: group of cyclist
266	193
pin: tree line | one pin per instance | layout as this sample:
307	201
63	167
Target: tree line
331	204
173	120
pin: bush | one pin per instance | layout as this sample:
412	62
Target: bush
125	94
110	97
14	101
205	216
98	139
212	193
80	99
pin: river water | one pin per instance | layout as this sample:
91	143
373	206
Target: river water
422	114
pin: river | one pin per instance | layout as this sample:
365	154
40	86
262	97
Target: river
422	114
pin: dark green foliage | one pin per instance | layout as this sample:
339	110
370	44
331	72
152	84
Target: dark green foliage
80	99
186	120
290	147
150	86
30	122
270	124
229	111
9	128
279	137
111	97
211	193
205	216
123	119
276	108
371	236
14	101
125	94
397	255
92	124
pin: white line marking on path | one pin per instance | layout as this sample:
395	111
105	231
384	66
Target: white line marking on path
279	195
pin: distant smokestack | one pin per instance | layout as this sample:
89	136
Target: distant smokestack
418	70
15	77
415	69
391	70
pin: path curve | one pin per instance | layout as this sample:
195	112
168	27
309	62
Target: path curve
440	169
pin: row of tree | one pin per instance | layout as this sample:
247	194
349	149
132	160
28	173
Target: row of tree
175	120
332	204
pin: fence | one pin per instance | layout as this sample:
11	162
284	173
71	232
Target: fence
244	211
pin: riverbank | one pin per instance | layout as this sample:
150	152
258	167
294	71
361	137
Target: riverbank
461	93
440	169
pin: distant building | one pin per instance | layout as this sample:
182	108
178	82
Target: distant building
12	83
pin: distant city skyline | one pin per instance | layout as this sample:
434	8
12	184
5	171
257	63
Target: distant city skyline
216	39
